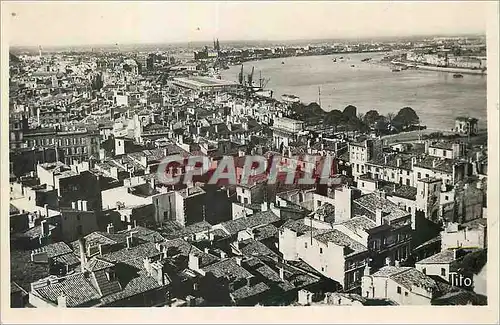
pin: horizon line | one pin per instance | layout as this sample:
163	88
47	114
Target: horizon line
344	38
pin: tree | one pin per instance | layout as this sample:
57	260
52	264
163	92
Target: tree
371	117
96	82
333	118
390	117
406	117
350	112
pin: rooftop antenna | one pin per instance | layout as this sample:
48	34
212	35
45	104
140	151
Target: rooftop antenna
319	96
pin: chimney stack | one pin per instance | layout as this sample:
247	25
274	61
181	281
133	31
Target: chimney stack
46	207
79	205
110	229
73	205
378	217
45	228
84	205
194	262
282	273
83	256
62	301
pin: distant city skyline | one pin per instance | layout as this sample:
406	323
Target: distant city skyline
99	23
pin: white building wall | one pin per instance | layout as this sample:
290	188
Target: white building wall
287	243
435	269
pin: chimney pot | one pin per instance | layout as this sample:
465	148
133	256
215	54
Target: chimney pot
61	301
83	256
84	206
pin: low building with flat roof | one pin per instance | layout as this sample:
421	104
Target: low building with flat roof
205	84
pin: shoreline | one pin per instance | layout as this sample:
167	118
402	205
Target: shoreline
308	55
442	69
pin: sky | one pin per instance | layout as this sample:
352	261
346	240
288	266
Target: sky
99	22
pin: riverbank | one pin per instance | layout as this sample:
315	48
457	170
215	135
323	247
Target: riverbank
250	60
436	97
442	69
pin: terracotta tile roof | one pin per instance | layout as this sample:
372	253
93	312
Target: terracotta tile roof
403	191
13	210
103	285
257	219
228	267
36	231
341	239
300	227
392	161
135	286
57	249
249	291
461	297
444	257
77	289
252	247
98	263
374	201
359	223
407	277
472	262
443	165
67	259
143	233
265	232
14	288
134	255
23	271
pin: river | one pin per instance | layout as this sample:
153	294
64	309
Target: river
437	97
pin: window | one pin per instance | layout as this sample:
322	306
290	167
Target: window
406	294
322	269
399	290
446	198
434	151
443	271
426	175
78	217
424	270
245	200
392	175
419	175
408	172
305	245
321	250
444	153
362	184
407	182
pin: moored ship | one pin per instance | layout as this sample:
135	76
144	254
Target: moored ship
290	98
